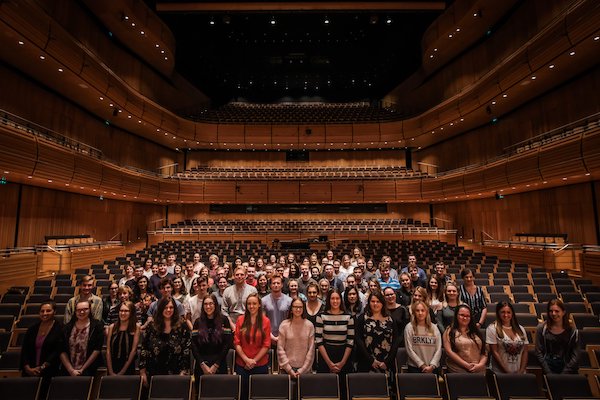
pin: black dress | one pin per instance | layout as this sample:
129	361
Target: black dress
213	349
376	340
121	343
166	353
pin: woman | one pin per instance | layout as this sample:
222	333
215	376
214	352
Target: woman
204	272
420	294
352	302
294	272
166	346
398	312
293	290
356	254
435	290
222	284
374	286
179	292
472	295
110	301
43	342
128	275
260	264
507	340
262	285
406	289
252	341
212	339
177	270
334	336
123	338
314	262
82	342
314	305
142	288
296	341
445	316
464	346
377	337
325	289
423	341
557	341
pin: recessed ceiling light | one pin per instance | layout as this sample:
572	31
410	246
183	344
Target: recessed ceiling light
42	57
60	70
533	78
21	43
551	66
572	53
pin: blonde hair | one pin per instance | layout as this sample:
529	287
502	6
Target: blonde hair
413	318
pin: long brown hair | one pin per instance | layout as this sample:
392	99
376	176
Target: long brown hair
247	324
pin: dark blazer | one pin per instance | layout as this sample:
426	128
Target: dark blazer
50	352
95	342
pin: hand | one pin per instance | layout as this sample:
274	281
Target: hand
76	372
293	374
427	369
33	371
213	369
382	366
205	369
144	378
375	364
333	367
250	363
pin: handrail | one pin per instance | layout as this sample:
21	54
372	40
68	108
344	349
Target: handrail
16	250
561	249
488	235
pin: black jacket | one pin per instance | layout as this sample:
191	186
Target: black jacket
50	352
95	342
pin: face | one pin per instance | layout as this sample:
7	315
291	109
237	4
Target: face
417	296
312	293
293	270
262	281
375	305
167	290
272	259
433	283
129	270
506	315
162	269
189	269
356	253
361	263
252	305
350	281
336	266
240	276
297	308
168	311
469	278
293	286
385	273
390	296
177	284
220	272
139	272
420	313
252	261
209	306
238	262
124	296
195	286
387	261
412	260
260	263
196	258
556	314
280	269
171	259
405	281
202	287
82	310
358	272
148	264
304	271
372	286
86	288
370	265
177	269
204	272
464	317
451	292
335	301
269	271
346	261
46	313
124	313
315	272
114	290
329	271
330	255
352	296
414	273
324	286
223	283
155	269
440	270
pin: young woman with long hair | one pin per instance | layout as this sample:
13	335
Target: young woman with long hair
334	334
314	305
464	346
557	341
352	301
123	337
445	316
435	290
423	340
296	341
377	337
507	340
211	339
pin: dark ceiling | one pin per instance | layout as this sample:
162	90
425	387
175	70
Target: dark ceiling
268	57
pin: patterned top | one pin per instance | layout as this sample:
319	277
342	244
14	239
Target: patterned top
166	353
509	350
78	345
334	330
378	337
476	302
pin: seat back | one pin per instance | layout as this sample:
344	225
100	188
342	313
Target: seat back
266	386
219	387
516	385
20	388
417	385
567	385
366	385
323	386
172	387
70	387
122	387
460	385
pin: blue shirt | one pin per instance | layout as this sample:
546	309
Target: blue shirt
392	283
276	310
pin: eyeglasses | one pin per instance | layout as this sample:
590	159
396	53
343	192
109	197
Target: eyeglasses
82	309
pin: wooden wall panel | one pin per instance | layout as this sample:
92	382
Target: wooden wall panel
566	209
591	149
348	191
88	172
495	177
391	131
284	134
454	186
317	134
315	192
112	179
251	192
169	190
219	192
379	191
148	188
191	190
230	134
258	134
284	192
432	188
54	163
408	189
523	169
18	151
561	161
365	133
9	194
338	133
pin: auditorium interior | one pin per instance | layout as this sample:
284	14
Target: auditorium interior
462	131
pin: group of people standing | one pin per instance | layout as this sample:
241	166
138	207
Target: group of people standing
353	314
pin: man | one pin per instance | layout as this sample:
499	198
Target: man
441	270
171	263
197	263
166	291
305	279
189	275
269	271
276	306
251	275
155	280
361	284
387	261
234	297
412	261
334	283
220	273
133	283
386	280
413	271
85	294
339	271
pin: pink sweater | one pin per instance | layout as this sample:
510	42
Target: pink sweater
296	345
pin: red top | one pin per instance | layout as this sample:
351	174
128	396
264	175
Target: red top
252	348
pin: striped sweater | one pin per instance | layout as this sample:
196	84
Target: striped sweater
334	330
